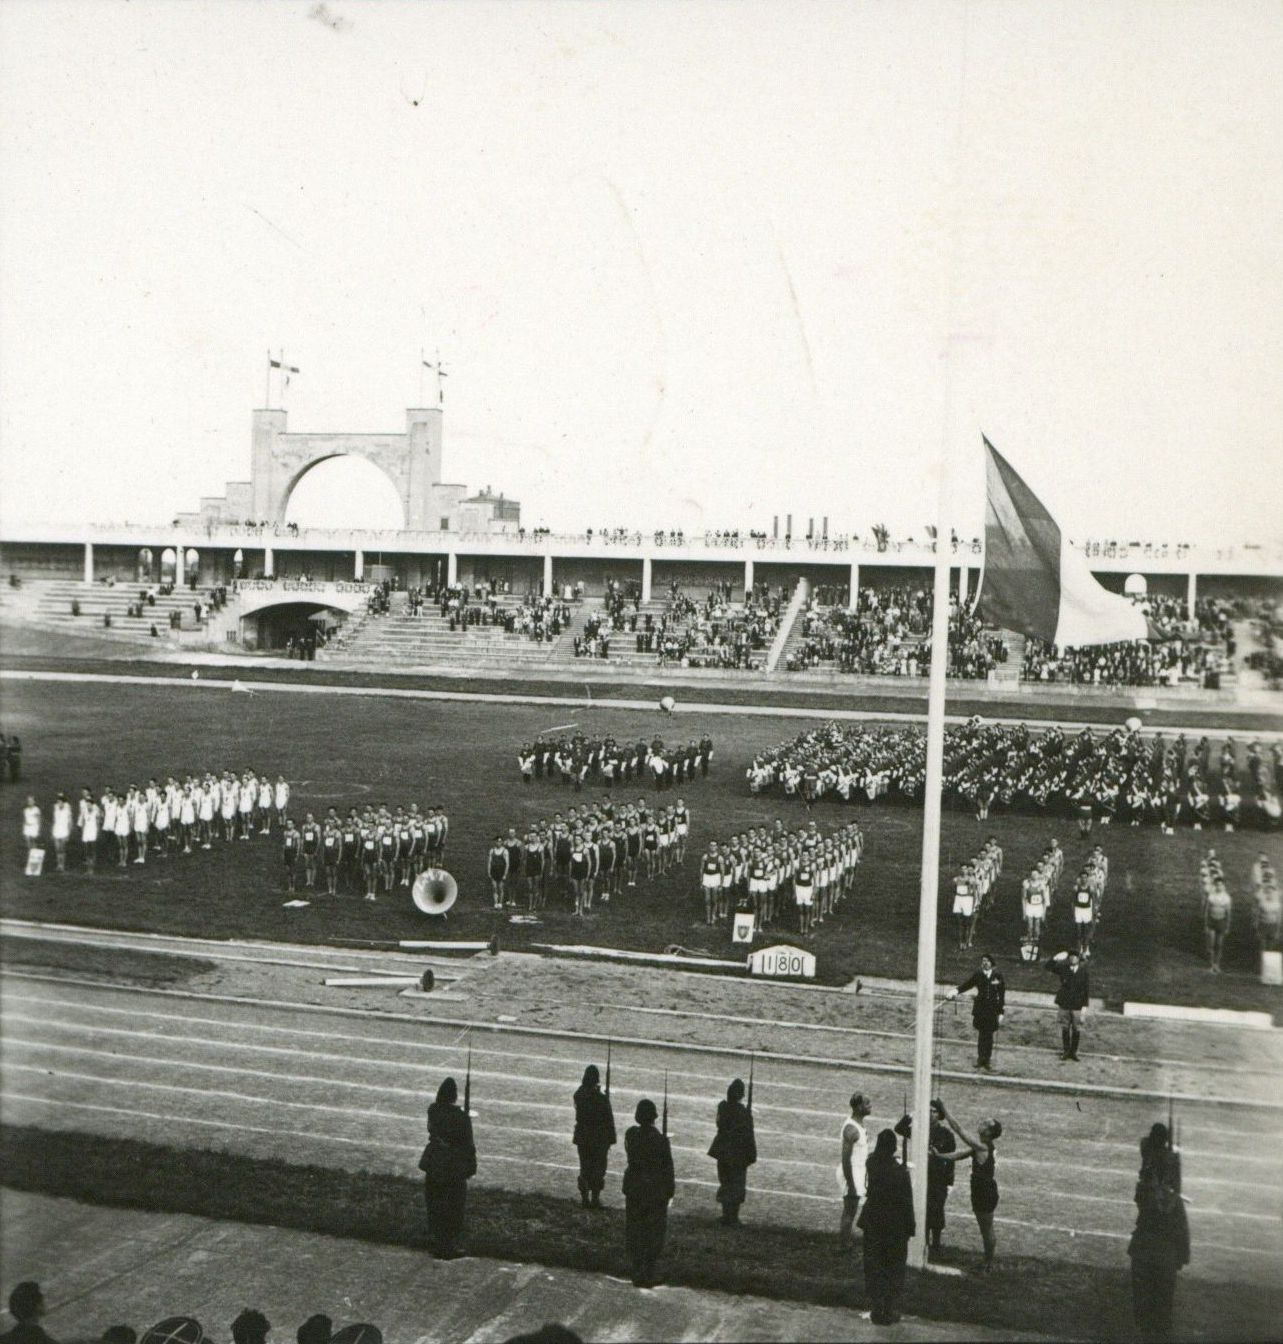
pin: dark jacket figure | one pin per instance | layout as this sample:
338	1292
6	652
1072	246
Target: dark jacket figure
1159	1247
887	1223
986	1009
594	1136
447	1163
735	1149
648	1187
1072	999
940	1172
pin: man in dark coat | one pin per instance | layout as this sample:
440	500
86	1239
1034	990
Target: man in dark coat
735	1148
448	1162
986	1009
1159	1247
594	1136
649	1185
887	1223
1072	999
940	1173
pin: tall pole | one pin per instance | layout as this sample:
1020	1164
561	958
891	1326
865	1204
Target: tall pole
929	891
267	384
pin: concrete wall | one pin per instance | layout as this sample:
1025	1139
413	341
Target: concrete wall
696	577
35	560
523	573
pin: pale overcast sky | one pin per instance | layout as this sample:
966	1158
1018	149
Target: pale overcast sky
687	263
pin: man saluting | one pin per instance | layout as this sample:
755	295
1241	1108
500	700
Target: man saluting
987	1008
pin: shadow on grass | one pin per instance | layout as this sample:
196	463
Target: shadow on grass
1068	1301
119	965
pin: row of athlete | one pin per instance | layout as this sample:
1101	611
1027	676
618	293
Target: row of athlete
771	871
159	819
575	760
372	849
593	850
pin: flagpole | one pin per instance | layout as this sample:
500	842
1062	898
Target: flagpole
928	892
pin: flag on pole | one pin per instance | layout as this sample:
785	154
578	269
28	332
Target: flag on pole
1034	582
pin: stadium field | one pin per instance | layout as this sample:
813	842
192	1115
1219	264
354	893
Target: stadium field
344	750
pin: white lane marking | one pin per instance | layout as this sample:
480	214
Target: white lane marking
426	1046
277	1132
1001	1081
967	1042
693	707
523	1106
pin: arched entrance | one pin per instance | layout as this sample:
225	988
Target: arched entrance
145	562
345	490
191	566
297	629
168	565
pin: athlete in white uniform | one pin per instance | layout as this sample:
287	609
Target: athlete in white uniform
89	819
60	830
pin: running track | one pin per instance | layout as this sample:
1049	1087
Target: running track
348	1089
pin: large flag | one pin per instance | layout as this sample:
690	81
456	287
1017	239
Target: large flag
1034	581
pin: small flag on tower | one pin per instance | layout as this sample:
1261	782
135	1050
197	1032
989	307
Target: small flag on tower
1035	582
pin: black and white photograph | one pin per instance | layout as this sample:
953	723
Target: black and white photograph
641	671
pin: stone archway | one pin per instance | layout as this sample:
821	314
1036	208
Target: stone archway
411	461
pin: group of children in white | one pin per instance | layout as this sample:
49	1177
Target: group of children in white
159	819
772	871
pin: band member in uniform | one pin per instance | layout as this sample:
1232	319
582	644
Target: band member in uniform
984	1176
1072	999
291	846
649	1185
734	1147
594	1136
448	1162
987	1009
852	1173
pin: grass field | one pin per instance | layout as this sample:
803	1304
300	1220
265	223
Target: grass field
339	750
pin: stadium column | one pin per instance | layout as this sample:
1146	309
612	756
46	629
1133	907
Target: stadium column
358	565
963	574
179	557
1191	595
89	562
451	569
269	563
547	575
853	589
645	594
748	576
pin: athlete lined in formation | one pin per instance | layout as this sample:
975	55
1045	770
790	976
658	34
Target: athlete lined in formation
971	889
586	853
370	849
771	870
578	759
1218	909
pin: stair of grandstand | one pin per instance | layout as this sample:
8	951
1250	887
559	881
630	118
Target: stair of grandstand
1010	670
48	602
399	636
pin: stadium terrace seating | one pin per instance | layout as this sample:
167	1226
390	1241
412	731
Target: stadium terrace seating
402	637
49	603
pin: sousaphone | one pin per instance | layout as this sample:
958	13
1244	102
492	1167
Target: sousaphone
434	891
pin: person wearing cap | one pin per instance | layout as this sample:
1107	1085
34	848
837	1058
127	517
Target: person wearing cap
1072	999
649	1186
448	1163
987	1009
594	1136
27	1306
735	1148
851	1169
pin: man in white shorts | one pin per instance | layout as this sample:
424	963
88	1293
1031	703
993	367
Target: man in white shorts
1084	918
804	894
852	1170
228	803
141	824
187	805
122	828
1033	903
964	906
246	799
207	806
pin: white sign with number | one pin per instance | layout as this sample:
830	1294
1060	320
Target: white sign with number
783	960
35	862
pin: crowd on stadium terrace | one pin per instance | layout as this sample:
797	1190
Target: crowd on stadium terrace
717	633
884	636
1136	663
1120	774
578	759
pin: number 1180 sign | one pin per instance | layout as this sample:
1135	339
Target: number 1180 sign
781	960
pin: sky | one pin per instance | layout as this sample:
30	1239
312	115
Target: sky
687	264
